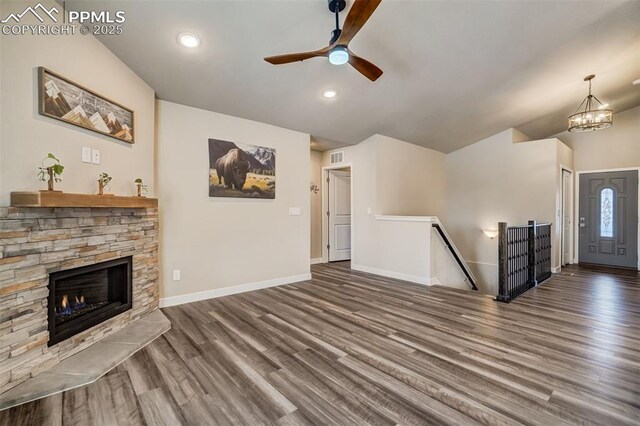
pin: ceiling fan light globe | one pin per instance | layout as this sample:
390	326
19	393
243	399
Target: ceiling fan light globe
339	55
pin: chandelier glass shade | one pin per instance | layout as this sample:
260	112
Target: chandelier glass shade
591	114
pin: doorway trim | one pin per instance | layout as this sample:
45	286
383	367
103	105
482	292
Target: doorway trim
325	205
576	242
572	210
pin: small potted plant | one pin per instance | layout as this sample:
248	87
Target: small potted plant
142	188
50	171
103	182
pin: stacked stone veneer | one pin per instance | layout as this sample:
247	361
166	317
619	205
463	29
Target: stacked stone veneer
35	242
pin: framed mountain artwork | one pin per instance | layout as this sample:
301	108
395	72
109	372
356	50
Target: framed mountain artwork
239	170
64	100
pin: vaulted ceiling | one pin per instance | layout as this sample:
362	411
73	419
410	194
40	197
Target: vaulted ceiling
454	71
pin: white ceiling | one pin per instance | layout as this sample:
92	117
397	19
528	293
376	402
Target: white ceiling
455	72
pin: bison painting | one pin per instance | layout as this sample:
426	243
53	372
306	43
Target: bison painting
233	168
241	171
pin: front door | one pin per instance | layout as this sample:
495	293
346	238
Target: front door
608	218
339	197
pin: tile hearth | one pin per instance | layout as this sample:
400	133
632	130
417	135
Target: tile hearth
89	365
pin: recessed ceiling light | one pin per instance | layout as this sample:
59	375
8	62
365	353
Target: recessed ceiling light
329	94
636	82
189	40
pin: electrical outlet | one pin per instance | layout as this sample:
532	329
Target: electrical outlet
95	156
86	154
294	211
176	274
368	210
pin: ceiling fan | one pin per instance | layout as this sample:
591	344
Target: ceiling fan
338	50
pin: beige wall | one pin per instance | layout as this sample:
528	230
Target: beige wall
392	177
411	179
497	180
26	137
220	242
613	148
316	206
363	158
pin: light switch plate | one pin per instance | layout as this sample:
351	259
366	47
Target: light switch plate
294	211
176	274
95	156
86	154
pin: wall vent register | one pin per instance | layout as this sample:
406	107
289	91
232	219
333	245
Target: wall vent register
337	157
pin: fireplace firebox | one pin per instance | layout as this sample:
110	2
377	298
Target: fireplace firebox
83	297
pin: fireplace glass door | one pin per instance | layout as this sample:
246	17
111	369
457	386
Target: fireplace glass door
83	297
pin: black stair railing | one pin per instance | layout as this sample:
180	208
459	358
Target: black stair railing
459	261
524	258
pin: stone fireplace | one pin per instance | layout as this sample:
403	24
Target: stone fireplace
70	277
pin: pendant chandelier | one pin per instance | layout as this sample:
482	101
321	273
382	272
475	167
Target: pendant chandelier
592	116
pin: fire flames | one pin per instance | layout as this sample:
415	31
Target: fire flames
66	308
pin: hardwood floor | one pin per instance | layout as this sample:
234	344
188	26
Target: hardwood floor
353	348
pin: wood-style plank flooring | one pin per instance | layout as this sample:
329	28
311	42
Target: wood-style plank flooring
352	348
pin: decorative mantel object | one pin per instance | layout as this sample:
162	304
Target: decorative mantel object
141	188
314	188
103	182
52	172
67	101
592	117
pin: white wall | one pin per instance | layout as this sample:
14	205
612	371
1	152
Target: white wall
219	243
499	180
401	250
616	147
392	177
316	206
26	137
564	160
411	179
363	158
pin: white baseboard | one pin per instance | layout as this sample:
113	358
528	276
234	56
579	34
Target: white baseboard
227	291
556	269
392	274
493	265
316	260
435	281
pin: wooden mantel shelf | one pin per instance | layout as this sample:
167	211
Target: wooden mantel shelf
49	199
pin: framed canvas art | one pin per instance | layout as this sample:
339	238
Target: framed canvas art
64	100
241	171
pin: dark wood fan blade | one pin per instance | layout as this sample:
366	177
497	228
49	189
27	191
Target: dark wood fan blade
360	12
364	67
295	57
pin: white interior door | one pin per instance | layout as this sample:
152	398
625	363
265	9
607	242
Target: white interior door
339	197
567	214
